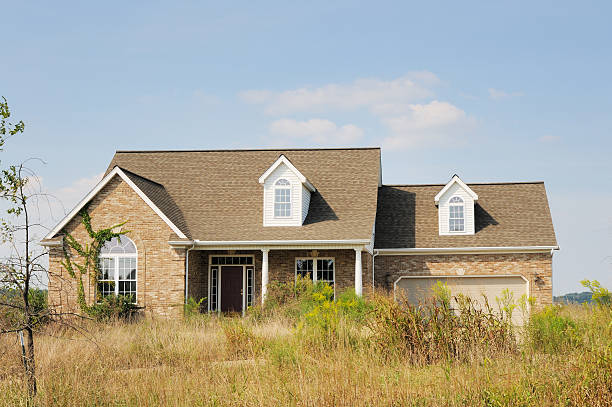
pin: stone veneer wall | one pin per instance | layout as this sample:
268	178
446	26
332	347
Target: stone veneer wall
161	269
535	267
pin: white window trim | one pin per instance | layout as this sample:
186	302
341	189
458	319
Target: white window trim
219	280
116	257
462	204
288	187
314	268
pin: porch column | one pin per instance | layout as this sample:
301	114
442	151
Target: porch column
358	272
264	274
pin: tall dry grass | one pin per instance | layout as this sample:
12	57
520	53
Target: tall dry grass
310	351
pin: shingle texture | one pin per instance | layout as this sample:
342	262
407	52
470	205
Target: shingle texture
216	195
162	199
507	214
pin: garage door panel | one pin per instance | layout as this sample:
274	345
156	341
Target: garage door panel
419	290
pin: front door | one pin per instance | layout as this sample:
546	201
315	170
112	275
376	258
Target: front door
231	288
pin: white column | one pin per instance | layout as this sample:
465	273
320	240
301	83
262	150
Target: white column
358	272
264	274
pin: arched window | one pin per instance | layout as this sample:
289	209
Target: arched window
118	265
282	199
456	215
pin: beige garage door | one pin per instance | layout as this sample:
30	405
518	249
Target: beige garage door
419	290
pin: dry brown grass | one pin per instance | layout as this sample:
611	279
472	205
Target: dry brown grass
222	361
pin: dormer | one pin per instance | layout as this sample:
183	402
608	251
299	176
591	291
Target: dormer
456	208
286	196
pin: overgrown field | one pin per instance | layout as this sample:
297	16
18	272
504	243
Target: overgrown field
304	349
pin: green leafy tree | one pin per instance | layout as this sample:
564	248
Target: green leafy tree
601	295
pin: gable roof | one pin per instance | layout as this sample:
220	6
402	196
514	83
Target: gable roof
455	180
283	160
507	215
151	192
220	198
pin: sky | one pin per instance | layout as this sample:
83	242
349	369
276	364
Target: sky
519	91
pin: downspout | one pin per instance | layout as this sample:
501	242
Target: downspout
375	253
187	271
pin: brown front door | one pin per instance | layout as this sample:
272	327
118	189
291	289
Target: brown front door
231	288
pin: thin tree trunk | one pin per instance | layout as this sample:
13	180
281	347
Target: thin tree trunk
31	366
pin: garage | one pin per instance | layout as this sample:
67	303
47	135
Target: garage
419	289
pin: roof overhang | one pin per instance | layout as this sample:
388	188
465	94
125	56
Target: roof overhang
465	250
116	171
283	160
271	244
456	180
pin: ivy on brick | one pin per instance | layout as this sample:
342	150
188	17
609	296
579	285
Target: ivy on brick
89	253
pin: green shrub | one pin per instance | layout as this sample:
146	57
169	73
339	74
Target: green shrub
549	331
113	308
193	307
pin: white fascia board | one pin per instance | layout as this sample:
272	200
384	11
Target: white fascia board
55	243
237	243
116	171
283	160
462	184
466	250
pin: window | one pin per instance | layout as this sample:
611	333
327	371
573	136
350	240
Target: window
282	199
316	269
214	287
456	215
249	278
118	258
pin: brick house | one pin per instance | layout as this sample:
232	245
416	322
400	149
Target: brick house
222	224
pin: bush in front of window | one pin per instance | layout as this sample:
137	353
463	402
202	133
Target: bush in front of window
111	308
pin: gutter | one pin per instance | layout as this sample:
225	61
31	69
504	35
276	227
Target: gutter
54	243
467	250
206	243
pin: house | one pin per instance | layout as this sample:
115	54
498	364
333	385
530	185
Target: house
222	224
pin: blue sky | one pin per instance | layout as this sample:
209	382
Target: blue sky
491	91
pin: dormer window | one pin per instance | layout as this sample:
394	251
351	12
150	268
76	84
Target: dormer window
455	204
286	194
456	215
282	199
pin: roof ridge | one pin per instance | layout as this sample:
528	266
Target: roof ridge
247	150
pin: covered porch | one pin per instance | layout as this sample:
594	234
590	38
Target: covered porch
231	279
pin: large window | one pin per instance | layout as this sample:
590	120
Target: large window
316	269
118	265
456	215
282	199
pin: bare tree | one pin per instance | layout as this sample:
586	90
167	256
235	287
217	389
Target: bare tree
23	263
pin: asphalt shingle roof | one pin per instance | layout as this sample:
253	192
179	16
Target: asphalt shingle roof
216	196
506	214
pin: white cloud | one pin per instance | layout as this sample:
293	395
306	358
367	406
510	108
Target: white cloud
435	123
320	131
549	139
497	94
68	196
361	93
404	105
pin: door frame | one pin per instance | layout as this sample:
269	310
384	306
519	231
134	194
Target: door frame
219	267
